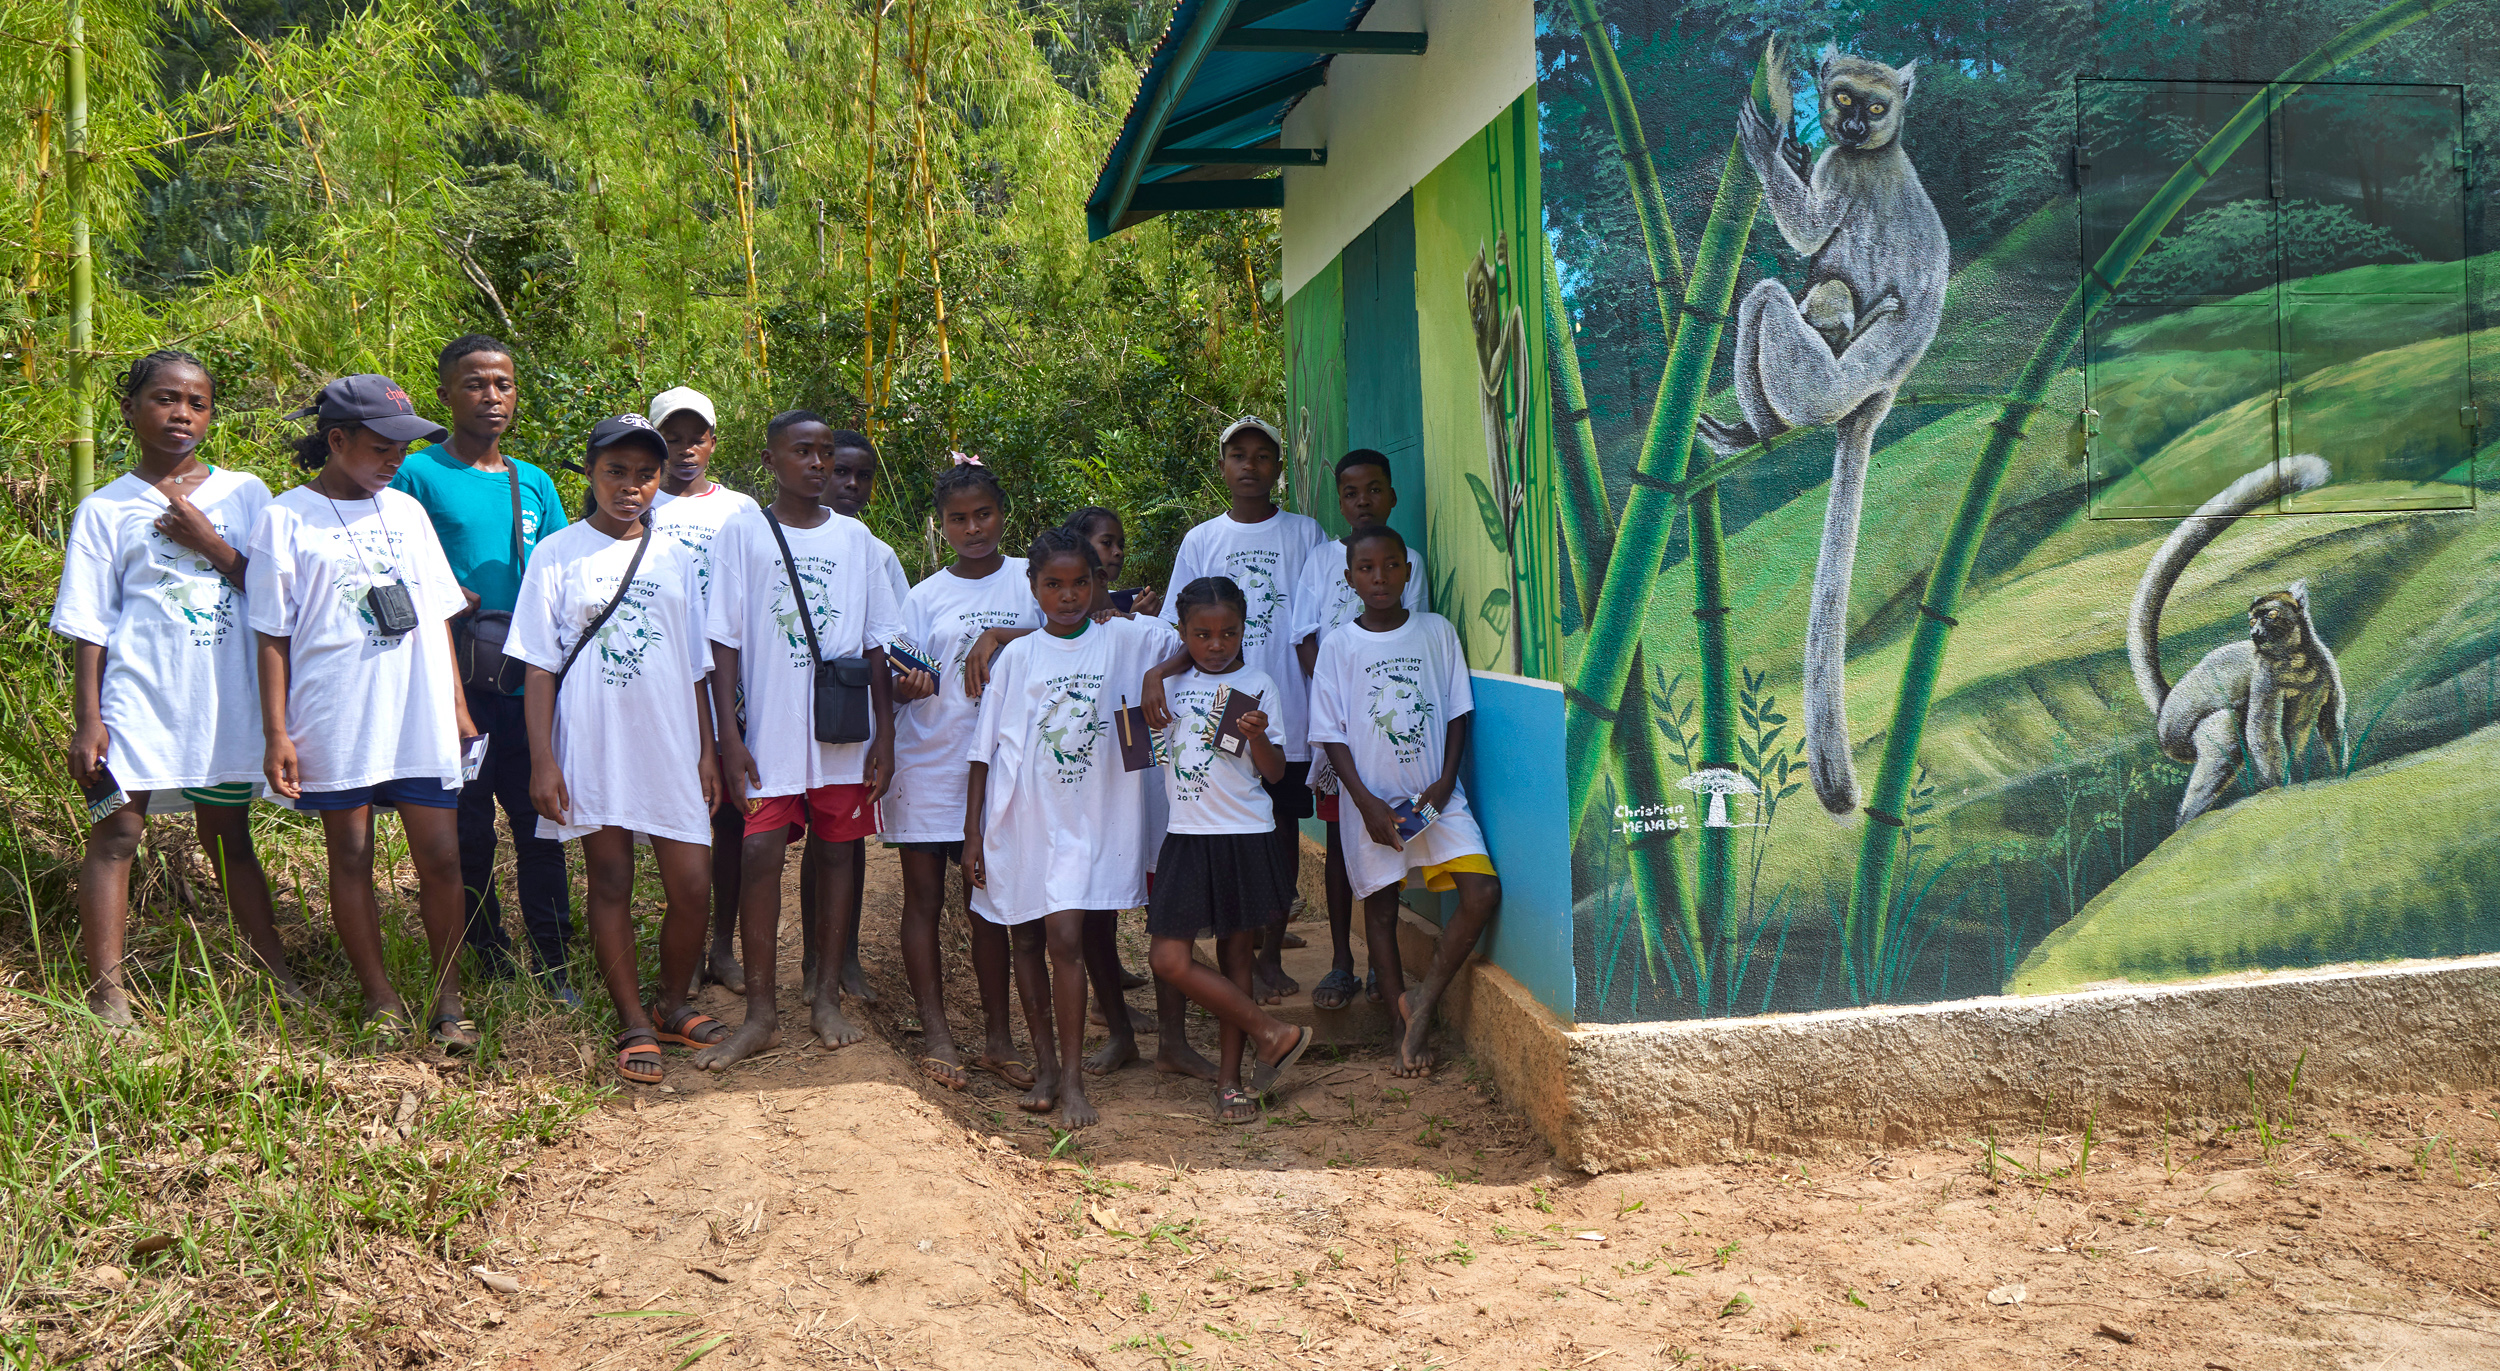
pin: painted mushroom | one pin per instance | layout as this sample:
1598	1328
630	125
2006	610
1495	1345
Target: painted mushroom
1718	783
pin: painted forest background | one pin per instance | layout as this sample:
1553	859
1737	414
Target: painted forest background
2037	851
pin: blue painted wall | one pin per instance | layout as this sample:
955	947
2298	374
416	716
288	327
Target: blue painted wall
1514	779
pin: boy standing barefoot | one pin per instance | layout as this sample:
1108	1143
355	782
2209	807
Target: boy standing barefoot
789	780
1391	703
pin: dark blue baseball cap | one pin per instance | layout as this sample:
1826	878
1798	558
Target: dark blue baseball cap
626	428
376	402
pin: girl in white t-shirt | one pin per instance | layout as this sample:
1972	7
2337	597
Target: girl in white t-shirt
924	812
1219	875
626	752
360	703
152	597
1052	825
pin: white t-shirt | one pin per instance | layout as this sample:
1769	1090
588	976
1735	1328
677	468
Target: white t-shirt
752	610
1063	826
181	691
362	708
942	616
1389	697
628	724
694	521
1324	603
1265	560
1211	791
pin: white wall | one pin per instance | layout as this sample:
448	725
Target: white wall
1388	121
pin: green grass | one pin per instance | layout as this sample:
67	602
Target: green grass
2396	861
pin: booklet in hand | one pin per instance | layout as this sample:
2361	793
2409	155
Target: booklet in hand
1226	710
1124	601
1138	743
900	653
1413	816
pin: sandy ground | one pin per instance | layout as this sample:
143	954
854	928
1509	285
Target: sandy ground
833	1209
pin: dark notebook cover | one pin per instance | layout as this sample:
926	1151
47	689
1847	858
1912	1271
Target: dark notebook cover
1137	741
1413	817
901	653
1228	707
1124	600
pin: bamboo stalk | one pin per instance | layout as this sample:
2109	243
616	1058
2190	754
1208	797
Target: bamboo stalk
928	193
81	262
741	160
868	242
1657	877
1588	530
1649	200
34	241
1871	893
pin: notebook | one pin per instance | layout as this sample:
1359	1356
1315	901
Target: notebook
1141	748
1413	816
1224	714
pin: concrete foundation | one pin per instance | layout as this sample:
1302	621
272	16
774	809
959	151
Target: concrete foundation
1621	1097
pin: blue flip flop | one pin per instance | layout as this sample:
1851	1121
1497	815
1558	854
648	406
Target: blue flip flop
1335	990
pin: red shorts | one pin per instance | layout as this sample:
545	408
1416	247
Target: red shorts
1328	808
838	813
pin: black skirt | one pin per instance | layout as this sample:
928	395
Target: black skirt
1218	884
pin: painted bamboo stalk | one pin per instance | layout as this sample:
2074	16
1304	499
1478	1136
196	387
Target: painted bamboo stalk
1657	875
81	261
1871	894
1588	528
1649	199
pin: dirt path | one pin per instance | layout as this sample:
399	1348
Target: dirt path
832	1209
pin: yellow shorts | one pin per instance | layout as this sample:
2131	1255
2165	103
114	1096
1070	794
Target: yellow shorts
1439	877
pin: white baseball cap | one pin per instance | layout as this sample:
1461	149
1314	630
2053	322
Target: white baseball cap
678	398
1252	421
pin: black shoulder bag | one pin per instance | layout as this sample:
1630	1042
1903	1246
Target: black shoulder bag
613	601
841	698
481	632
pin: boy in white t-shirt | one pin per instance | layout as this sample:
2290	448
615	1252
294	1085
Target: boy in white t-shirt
151	598
778	641
691	507
361	706
1324	602
1261	549
1391	704
613	609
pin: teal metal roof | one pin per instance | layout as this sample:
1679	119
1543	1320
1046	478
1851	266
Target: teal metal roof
1203	131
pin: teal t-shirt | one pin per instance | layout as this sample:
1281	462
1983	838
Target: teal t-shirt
472	513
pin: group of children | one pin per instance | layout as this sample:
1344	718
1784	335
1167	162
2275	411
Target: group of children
762	675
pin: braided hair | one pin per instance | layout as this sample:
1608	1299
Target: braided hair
961	477
1051	542
144	369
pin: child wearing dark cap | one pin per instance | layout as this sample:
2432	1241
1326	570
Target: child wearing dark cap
352	598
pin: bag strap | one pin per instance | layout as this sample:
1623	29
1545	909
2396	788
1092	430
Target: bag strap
807	614
613	601
519	558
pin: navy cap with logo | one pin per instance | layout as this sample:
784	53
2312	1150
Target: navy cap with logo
376	402
626	428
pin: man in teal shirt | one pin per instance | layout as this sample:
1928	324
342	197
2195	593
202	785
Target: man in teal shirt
469	488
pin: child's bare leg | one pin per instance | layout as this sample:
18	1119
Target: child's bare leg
759	936
1479	896
226	836
729	831
1033	987
809	934
1380	944
434	848
347	835
854	976
685	875
991	953
924	900
1274	986
1101	949
1173	1054
609	857
832	863
104	905
1065	930
1340	903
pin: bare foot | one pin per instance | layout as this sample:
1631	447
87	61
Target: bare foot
1137	1022
1414	1059
1113	1055
1270	984
722	969
111	1005
855	982
1076	1111
1178	1058
752	1037
831	1028
1043	1096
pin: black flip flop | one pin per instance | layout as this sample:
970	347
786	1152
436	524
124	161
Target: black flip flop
1340	984
1263	1080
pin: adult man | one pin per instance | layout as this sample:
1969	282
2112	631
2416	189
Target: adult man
490	510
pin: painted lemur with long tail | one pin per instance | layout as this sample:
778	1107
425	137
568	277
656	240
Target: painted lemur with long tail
2263	695
1877	261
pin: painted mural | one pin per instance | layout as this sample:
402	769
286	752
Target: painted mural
2017	471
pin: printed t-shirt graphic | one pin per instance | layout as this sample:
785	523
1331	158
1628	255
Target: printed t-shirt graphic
1210	791
943	616
1063	827
1389	697
752	610
362	708
1265	559
695	520
180	695
472	515
1324	603
627	734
